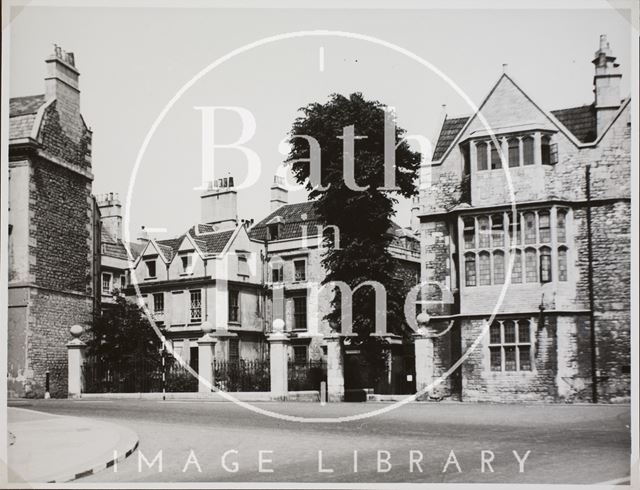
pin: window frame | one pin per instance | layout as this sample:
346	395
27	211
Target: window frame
109	283
155	297
518	345
232	307
187	268
192	308
148	262
299	317
304	269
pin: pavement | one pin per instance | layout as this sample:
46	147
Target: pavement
208	441
50	448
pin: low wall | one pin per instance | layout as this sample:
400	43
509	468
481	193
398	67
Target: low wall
244	396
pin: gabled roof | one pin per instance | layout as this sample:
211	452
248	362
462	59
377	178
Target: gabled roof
581	121
450	129
578	122
112	247
213	242
21	106
22	115
293	219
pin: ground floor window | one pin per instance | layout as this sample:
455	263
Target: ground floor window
234	349
300	354
510	345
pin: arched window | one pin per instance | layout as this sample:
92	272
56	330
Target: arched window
481	149
497	230
545	149
529	228
470	269
469	233
516	272
514	152
562	264
498	267
496	161
545	264
545	226
561	225
528	151
483	232
484	269
531	265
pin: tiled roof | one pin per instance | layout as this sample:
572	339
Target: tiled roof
450	129
21	106
581	121
213	243
210	242
293	227
294	217
22	114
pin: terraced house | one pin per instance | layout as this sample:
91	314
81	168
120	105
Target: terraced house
540	200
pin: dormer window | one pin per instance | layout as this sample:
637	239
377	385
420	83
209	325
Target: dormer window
274	231
518	150
151	268
187	263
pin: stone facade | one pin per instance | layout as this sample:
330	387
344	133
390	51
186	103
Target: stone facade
52	234
534	218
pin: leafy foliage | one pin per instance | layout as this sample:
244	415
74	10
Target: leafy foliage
363	218
123	334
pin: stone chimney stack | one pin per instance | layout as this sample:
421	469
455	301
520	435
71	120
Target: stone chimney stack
606	84
219	204
61	84
415	214
111	214
279	193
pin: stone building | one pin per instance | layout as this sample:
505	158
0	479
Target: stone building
52	230
545	197
211	273
292	236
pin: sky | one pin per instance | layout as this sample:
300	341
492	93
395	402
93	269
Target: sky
133	61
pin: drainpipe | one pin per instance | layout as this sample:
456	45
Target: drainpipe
592	326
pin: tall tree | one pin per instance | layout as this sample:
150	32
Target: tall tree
123	334
363	217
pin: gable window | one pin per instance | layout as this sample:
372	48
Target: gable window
106	282
470	269
300	270
514	152
151	268
243	266
187	263
510	345
158	302
528	151
234	305
481	152
300	313
276	272
195	305
496	161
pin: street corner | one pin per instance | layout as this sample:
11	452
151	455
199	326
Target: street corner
50	448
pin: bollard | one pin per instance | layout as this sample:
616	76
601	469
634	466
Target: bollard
47	394
323	393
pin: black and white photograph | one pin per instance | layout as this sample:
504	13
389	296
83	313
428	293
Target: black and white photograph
319	244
